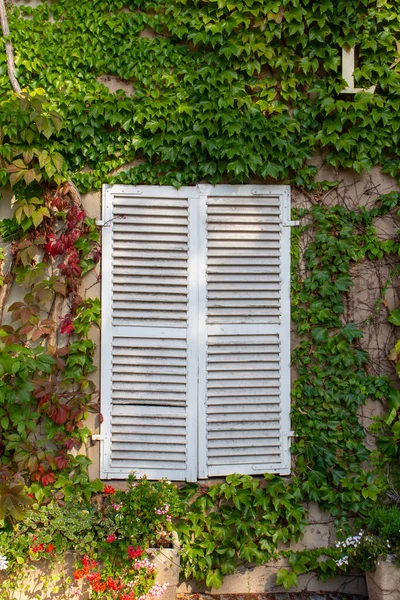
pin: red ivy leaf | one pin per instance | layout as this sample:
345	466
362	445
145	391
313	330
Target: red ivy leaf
58	413
48	479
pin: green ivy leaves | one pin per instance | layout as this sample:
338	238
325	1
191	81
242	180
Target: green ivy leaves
218	88
238	521
332	384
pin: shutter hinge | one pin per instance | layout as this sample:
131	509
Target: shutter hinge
290	223
286	435
286	221
98	437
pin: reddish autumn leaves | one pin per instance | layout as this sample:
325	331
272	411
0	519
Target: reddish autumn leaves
49	260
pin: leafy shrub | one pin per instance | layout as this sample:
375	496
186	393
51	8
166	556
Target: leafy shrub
110	536
141	514
385	523
380	538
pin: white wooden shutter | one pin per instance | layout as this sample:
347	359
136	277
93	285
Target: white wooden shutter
149	333
247	333
195	331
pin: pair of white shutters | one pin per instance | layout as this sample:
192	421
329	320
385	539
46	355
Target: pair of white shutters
195	331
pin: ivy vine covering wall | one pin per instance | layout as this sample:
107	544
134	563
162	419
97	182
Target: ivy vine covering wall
223	90
209	91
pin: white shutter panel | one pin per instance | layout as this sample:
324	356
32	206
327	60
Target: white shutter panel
149	333
247	334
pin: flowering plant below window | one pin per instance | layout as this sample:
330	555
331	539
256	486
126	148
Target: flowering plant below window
131	577
110	534
141	515
379	539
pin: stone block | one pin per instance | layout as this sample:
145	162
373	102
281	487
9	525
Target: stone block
167	561
384	582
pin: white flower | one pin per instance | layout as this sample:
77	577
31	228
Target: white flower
157	590
343	561
3	563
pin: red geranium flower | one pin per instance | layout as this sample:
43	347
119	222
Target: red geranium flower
134	552
114	584
130	596
50	548
108	489
79	574
111	538
93	577
99	586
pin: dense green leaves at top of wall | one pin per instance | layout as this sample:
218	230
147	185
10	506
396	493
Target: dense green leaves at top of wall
225	90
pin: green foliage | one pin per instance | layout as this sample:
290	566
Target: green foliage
387	429
219	89
18	414
68	527
242	520
286	578
362	551
103	536
141	514
332	383
385	522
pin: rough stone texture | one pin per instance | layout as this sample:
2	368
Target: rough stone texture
315	536
261	579
384	582
270	596
167	561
